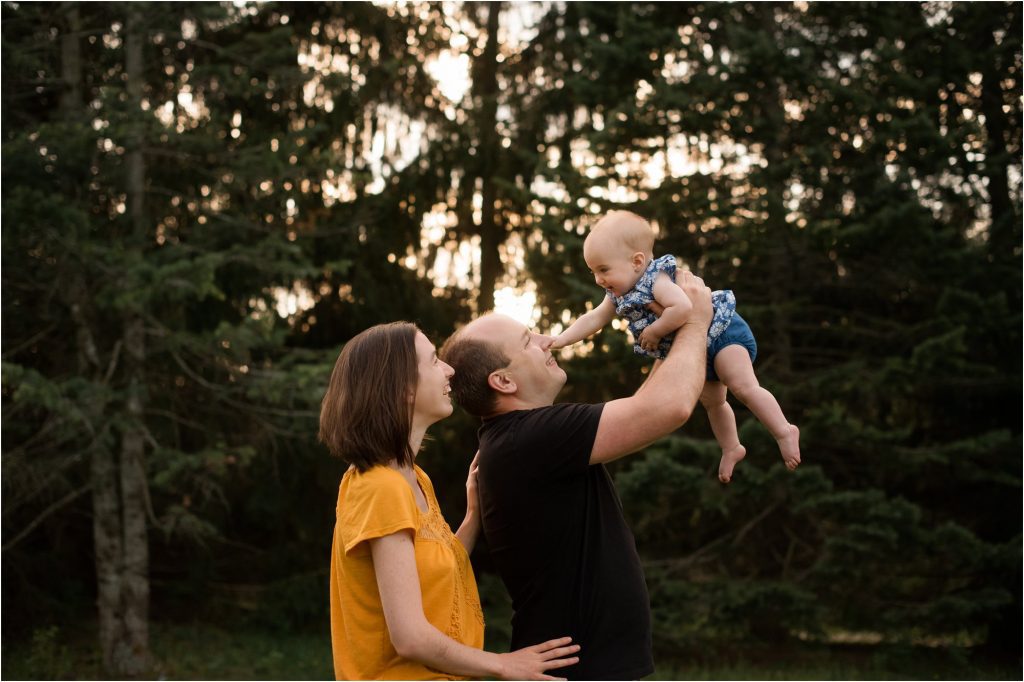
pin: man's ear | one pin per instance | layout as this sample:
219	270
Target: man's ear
502	382
639	259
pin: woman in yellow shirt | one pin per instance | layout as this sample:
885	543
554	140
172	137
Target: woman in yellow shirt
404	602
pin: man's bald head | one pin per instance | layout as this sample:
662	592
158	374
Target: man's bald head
474	352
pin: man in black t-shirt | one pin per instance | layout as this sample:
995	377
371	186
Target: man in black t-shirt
550	513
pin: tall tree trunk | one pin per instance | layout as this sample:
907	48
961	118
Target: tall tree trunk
108	540
71	63
132	654
106	529
108	532
485	84
131	657
119	482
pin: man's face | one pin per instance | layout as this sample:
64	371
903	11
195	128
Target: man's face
531	366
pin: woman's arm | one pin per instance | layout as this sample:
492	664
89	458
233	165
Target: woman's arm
470	528
394	563
675	308
586	324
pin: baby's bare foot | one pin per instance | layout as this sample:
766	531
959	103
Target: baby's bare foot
789	445
730	458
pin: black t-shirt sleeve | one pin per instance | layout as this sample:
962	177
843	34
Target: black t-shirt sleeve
557	441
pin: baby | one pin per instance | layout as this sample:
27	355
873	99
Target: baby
642	289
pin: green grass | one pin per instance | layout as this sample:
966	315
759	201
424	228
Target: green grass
209	652
845	662
180	652
205	651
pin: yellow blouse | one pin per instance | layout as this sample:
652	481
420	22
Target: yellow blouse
373	504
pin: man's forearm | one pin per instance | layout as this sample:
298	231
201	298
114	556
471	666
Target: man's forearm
694	360
681	376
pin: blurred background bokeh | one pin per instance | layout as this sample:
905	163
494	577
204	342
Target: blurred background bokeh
201	202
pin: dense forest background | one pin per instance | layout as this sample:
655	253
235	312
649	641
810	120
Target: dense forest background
202	202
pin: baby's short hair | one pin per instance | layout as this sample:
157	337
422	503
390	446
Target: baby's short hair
634	231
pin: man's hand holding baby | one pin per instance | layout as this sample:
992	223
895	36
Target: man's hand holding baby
699	294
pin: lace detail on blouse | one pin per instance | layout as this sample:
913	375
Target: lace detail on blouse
435	528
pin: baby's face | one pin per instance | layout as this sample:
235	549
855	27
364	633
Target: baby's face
612	263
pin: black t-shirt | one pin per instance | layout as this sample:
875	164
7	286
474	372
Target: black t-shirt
555	530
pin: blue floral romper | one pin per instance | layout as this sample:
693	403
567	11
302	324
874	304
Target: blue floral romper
727	327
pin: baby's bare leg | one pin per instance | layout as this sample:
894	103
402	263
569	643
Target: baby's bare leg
735	370
723	425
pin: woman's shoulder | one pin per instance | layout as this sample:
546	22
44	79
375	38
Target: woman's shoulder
374	503
375	474
357	484
378	491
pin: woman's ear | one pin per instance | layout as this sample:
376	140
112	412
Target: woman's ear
501	382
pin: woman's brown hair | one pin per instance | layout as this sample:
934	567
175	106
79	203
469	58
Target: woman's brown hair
366	413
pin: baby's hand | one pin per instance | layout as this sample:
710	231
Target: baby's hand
648	340
548	342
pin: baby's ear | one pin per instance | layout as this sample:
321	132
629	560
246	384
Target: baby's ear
639	259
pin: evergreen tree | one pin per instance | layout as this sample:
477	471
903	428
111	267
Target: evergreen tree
154	168
201	202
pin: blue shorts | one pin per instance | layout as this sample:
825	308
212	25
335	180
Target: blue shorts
738	332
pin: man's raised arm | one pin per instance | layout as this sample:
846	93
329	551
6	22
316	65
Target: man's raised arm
668	397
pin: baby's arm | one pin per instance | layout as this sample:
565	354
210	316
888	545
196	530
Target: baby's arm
675	305
588	323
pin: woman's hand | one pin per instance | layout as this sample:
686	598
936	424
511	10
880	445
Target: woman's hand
529	663
470	528
472	496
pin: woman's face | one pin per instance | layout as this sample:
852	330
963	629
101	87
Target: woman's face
432	402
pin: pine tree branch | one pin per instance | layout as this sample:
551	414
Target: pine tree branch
747	527
8	352
220	394
56	506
